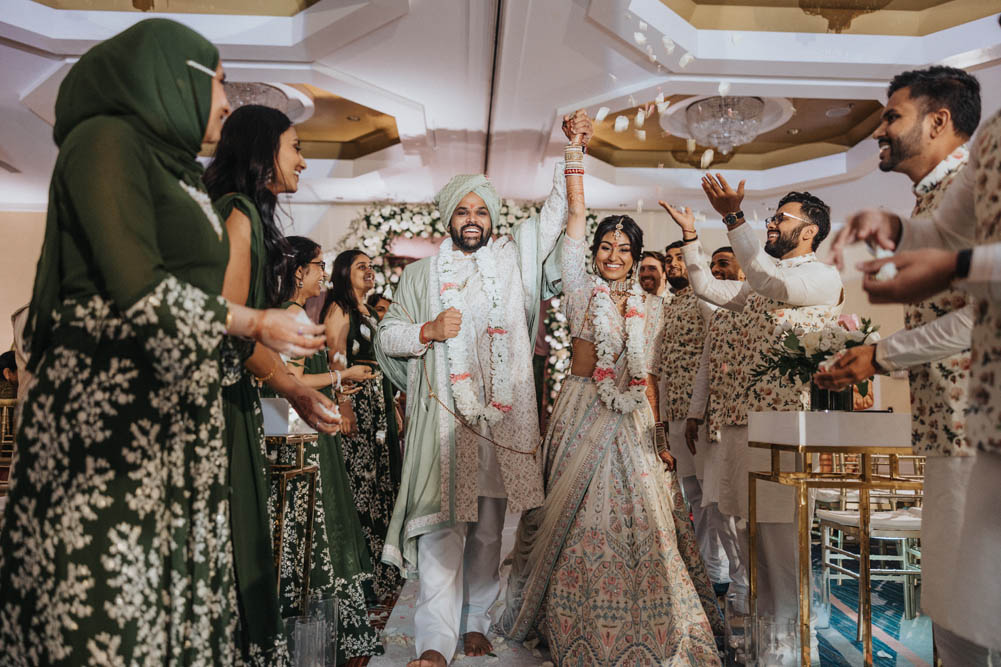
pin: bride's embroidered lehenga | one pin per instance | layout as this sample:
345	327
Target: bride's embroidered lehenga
607	570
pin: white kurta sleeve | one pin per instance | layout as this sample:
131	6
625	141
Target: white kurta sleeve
572	265
700	388
952	225
808	285
553	216
985	273
729	294
940	338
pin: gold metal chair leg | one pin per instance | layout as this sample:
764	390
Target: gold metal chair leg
803	536
865	581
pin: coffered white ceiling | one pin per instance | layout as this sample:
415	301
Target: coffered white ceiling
468	94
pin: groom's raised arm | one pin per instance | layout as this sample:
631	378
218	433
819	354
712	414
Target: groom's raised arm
553	217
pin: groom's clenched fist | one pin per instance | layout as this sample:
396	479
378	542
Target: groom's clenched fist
443	327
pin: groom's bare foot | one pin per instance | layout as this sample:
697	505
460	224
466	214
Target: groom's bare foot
476	644
429	659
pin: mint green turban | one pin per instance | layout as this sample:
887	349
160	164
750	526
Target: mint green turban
460	186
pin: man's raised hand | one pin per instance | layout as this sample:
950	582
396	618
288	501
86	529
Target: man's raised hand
578	127
684	217
723	198
920	274
445	326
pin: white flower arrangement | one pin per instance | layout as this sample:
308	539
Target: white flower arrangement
800	353
458	347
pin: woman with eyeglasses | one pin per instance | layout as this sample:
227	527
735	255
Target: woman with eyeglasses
257	159
340	565
116	546
369	426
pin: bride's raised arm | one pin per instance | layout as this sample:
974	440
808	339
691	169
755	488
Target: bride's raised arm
574	246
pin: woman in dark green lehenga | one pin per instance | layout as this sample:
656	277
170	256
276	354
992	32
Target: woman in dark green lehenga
369	429
115	546
340	558
257	158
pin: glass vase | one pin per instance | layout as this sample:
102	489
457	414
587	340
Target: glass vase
826	399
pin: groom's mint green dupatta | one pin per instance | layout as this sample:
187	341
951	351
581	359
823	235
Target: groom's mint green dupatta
425	502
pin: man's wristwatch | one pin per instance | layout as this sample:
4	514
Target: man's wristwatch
732	219
963	259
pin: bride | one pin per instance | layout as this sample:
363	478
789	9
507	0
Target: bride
607	571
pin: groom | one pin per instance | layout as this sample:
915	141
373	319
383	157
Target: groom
459	338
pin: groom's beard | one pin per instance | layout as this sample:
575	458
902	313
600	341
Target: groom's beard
468	245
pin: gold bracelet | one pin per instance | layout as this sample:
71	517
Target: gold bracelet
262	380
229	320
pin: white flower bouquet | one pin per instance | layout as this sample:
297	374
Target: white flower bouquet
800	353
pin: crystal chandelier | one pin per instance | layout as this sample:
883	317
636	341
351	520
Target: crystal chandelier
725	122
241	93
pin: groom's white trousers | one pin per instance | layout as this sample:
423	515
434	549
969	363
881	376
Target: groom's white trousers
459	579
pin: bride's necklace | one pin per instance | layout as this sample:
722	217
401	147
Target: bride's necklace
607	344
458	347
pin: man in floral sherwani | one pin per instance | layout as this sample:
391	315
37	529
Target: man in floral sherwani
686	319
786	283
966	622
929	117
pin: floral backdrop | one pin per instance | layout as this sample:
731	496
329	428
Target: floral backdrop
375	229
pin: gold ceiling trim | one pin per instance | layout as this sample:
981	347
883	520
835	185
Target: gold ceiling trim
915	18
242	7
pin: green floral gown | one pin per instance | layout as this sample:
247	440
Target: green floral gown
115	543
373	455
261	635
340	562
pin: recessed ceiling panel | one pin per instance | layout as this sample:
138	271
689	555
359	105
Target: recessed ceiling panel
816	129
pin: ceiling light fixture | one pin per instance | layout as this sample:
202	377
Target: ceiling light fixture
725	121
242	93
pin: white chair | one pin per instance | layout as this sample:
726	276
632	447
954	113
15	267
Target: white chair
900	527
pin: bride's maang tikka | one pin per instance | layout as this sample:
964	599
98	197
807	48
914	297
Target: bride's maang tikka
618	230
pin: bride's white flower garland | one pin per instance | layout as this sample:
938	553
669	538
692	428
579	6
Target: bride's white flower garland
502	389
608	343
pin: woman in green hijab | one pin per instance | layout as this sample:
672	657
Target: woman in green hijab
116	544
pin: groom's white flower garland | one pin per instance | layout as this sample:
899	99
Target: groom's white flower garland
607	344
458	354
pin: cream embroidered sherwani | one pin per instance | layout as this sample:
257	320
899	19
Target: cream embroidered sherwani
440	483
456	482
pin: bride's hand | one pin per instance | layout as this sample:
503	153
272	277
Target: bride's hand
668	460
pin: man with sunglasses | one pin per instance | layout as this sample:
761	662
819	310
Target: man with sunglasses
786	285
